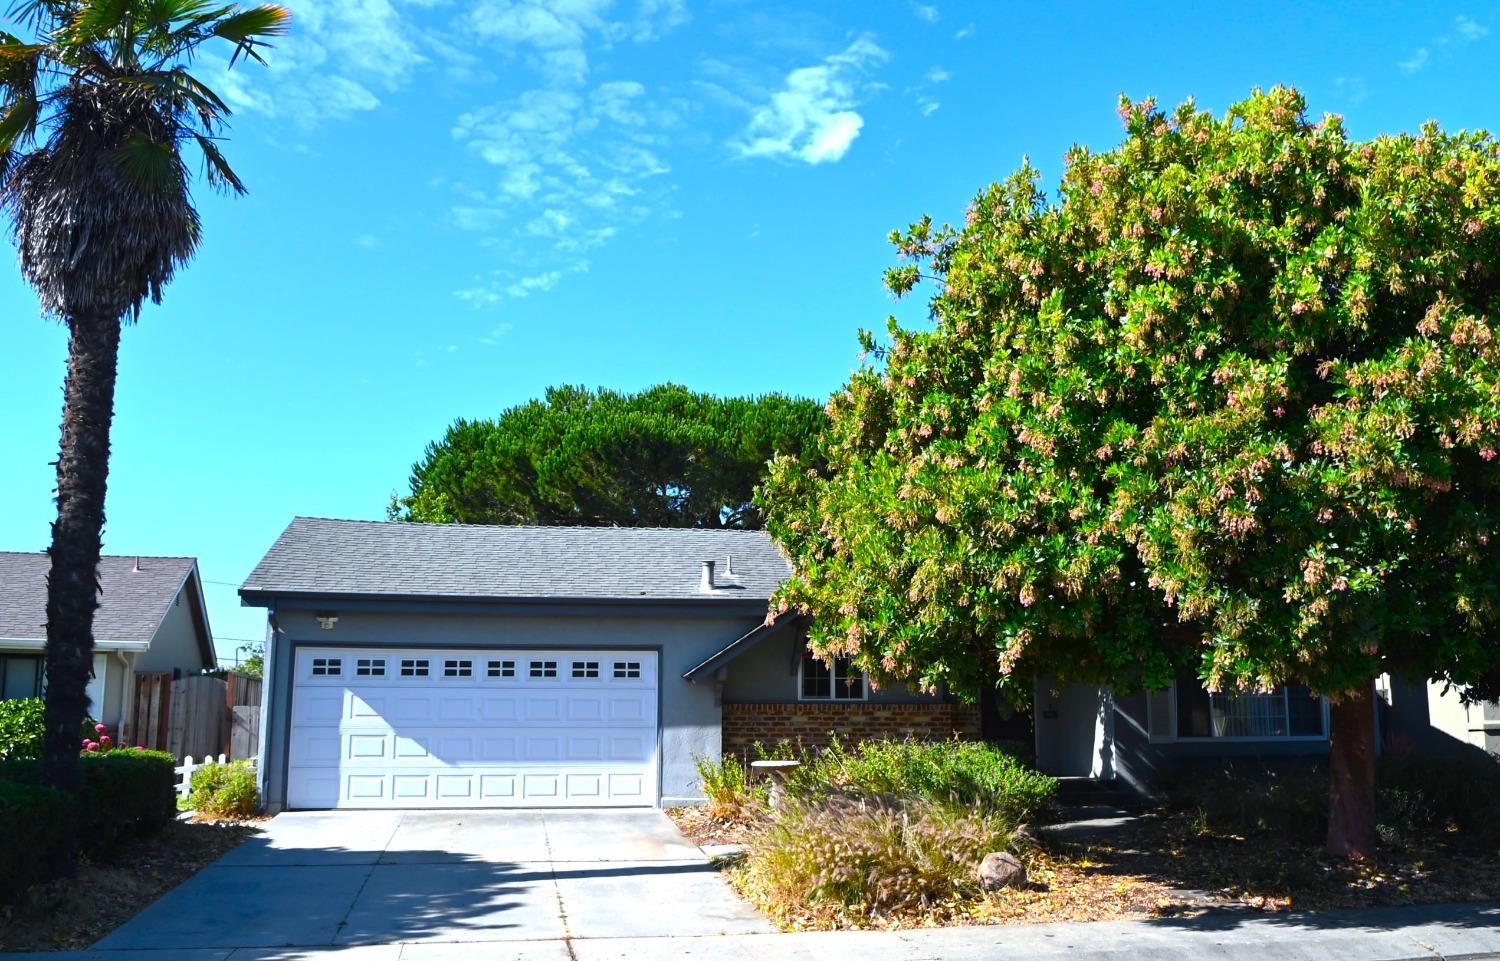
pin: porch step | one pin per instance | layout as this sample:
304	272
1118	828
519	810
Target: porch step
1091	792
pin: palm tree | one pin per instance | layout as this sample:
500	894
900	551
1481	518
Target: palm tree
96	106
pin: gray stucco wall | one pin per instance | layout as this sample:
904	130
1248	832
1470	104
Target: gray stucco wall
176	642
690	716
767	674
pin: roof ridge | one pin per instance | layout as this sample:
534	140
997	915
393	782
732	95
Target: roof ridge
427	525
111	557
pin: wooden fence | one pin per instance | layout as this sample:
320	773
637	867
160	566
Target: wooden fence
197	715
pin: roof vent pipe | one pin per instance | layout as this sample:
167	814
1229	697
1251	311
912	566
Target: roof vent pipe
728	565
707	583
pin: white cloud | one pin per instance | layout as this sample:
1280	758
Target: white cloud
925	12
938	75
928	107
1415	62
964	32
1467	30
812	118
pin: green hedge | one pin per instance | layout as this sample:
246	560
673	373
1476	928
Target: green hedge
36	827
225	790
125	792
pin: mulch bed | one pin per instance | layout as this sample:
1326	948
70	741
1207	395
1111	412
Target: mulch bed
1163	865
72	913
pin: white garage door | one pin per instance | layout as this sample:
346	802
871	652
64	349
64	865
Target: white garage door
424	728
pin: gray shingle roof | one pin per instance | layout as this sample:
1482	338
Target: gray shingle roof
377	558
132	602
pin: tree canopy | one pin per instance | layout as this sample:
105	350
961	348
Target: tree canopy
663	457
1230	402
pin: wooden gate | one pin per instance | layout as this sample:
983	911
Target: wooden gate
199	715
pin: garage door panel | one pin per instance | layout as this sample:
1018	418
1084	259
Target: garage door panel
472	729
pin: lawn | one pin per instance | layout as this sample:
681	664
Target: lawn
846	851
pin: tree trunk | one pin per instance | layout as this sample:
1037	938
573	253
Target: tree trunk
73	584
1351	760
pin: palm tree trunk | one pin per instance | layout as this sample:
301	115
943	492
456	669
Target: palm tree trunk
73	584
1351	761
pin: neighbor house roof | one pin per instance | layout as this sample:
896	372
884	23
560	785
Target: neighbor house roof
385	559
135	594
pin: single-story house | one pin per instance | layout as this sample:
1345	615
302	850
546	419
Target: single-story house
151	617
415	665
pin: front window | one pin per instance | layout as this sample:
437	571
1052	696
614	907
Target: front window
20	676
838	680
1288	711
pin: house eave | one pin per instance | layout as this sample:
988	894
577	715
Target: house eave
100	644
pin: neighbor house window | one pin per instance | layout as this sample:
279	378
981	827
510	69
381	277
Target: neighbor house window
20	676
839	680
1189	711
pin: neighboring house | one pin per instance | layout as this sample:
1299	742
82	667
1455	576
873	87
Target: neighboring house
414	665
151	617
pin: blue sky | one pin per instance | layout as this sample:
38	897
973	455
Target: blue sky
455	204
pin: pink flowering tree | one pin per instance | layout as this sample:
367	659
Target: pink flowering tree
1228	403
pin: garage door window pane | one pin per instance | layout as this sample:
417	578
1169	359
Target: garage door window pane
456	668
327	666
501	669
369	667
543	668
627	669
585	668
413	667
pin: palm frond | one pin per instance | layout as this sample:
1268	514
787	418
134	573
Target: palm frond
246	27
42	15
150	164
216	167
18	124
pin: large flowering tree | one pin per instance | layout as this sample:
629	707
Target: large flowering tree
1230	402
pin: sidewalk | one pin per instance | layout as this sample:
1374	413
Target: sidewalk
1462	932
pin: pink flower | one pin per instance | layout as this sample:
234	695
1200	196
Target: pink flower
100	728
91	745
1278	411
1488	453
140	747
104	739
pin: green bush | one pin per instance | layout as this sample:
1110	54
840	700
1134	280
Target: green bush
958	773
21	728
1416	797
224	790
727	787
845	862
124	792
1424	796
36	828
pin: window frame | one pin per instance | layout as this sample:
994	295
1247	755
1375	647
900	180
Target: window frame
1177	738
39	687
832	698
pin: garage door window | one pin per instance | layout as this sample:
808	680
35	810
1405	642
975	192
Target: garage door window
501	669
543	668
627	669
413	667
327	666
585	668
369	667
458	668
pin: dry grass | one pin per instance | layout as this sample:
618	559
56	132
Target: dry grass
1165	865
71	914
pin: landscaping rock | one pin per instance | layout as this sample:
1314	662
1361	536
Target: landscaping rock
1000	870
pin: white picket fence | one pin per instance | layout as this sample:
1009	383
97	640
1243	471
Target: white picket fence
186	769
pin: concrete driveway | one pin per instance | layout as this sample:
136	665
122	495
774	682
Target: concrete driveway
445	877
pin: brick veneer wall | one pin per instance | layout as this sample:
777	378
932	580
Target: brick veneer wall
810	723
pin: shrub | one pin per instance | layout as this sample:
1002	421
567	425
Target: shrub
958	773
1291	804
225	790
36	827
848	863
1417	795
21	728
124	791
727	787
